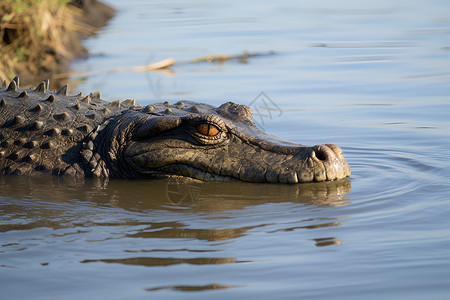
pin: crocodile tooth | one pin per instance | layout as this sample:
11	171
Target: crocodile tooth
47	83
40	88
24	94
2	153
3	102
148	108
50	99
95	95
86	99
12	87
63	91
114	104
19	119
128	102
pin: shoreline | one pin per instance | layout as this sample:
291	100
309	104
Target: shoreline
40	38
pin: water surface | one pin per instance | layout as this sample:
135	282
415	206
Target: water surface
370	77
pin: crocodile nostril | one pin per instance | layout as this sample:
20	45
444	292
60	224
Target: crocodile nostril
321	155
320	152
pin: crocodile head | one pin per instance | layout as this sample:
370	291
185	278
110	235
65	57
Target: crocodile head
214	144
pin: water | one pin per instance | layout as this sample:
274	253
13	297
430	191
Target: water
370	77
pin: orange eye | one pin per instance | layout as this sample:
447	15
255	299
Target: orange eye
207	129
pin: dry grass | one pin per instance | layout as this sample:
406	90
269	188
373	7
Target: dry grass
38	37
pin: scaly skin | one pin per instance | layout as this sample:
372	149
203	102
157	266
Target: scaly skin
43	132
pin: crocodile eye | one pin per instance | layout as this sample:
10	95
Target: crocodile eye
207	129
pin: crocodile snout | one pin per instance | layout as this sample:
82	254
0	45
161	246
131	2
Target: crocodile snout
329	162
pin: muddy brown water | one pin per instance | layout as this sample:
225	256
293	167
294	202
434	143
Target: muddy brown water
370	77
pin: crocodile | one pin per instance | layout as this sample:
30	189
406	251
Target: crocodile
44	132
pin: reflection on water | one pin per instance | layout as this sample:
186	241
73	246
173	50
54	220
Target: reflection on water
67	203
156	223
177	231
147	208
174	194
327	242
191	288
167	261
370	76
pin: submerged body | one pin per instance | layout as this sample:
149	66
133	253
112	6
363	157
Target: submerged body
43	132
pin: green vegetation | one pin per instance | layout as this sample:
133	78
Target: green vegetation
38	37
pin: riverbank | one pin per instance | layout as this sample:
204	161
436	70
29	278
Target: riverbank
40	38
